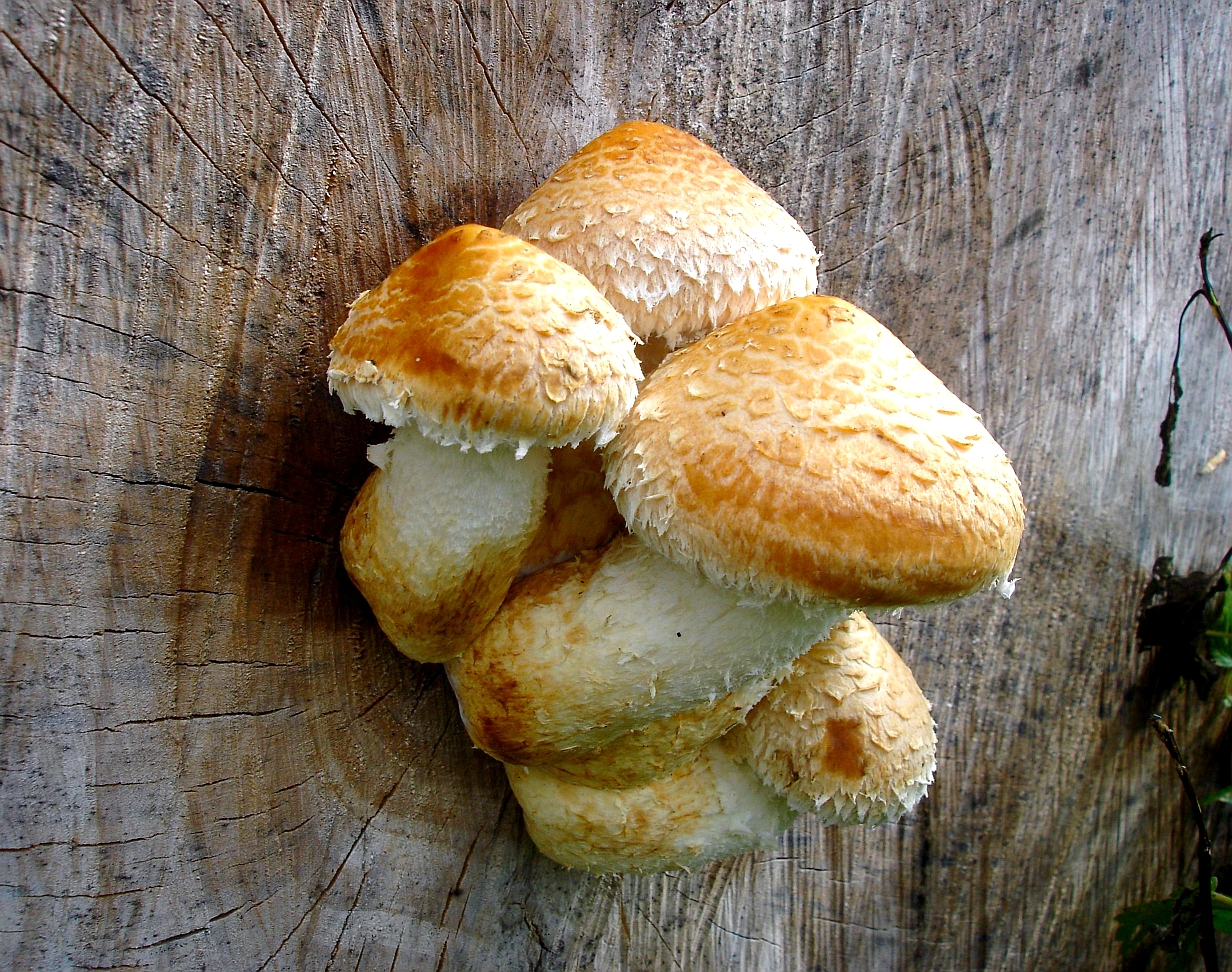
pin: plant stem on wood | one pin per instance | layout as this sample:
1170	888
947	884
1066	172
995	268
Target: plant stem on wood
1227	559
1163	472
1206	918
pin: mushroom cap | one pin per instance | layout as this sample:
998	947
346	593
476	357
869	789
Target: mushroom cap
483	340
677	238
803	452
848	734
710	809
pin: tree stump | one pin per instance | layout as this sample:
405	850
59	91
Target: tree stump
212	758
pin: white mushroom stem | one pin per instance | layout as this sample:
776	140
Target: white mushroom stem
581	653
435	537
711	809
661	747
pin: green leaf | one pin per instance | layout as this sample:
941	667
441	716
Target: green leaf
1222	916
1182	960
1219	634
1219	796
1220	651
1138	922
1221	909
1171	925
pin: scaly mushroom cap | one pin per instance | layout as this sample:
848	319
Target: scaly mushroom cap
483	340
671	233
803	452
708	810
847	734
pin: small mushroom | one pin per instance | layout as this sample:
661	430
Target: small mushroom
712	808
482	351
848	735
677	238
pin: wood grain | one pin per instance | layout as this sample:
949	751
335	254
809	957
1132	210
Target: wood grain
212	759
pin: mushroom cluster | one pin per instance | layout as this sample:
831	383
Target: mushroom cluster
642	485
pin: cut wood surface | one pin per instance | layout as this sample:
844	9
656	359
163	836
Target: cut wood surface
211	757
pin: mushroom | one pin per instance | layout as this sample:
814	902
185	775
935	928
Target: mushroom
804	452
712	808
583	652
848	735
800	459
677	238
482	351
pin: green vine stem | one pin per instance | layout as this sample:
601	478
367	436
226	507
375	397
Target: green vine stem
1206	916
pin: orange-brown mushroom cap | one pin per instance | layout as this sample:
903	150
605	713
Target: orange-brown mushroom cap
803	452
482	340
848	734
676	237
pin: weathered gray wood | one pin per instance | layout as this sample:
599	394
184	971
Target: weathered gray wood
210	758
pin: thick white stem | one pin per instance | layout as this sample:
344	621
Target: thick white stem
586	651
711	809
435	537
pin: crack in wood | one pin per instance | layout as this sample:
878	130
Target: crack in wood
346	857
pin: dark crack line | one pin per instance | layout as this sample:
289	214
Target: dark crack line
689	25
161	483
124	244
189	934
389	85
457	885
115	52
52	85
256	84
10	145
337	873
350	911
659	932
242	488
372	705
550	61
119	726
487	76
307	85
